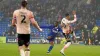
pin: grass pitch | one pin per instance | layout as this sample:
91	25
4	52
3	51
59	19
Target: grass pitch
41	49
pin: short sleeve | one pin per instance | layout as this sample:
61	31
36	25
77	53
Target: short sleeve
63	21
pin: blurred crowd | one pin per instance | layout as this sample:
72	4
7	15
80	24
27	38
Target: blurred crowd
88	11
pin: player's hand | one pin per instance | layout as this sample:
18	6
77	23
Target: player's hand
40	30
74	12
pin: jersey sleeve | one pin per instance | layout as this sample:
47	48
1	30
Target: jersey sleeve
72	21
63	21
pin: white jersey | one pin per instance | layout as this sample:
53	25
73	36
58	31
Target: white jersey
22	17
66	24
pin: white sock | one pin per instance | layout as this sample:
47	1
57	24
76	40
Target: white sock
27	52
66	46
22	53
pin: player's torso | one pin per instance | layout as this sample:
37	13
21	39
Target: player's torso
66	27
55	30
23	21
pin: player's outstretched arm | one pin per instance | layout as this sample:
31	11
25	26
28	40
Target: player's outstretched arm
75	18
35	24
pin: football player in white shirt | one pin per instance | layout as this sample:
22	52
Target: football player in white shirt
67	30
22	19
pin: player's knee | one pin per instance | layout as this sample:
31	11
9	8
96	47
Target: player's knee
52	43
26	45
20	47
69	41
27	49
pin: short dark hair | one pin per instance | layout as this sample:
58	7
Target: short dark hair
56	22
24	3
66	14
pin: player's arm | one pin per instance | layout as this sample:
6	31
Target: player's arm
14	19
75	18
34	22
59	30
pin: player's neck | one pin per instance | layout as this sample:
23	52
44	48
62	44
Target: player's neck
23	7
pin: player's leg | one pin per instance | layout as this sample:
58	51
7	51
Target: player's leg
51	46
21	50
27	51
20	44
26	44
66	45
51	43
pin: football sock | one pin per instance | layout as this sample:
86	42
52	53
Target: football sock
27	52
50	48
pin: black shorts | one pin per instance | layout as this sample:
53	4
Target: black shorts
24	39
67	36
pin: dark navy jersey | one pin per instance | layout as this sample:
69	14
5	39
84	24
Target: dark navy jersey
54	30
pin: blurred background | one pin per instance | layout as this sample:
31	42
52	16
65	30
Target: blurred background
87	28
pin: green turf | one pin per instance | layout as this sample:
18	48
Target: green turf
40	50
